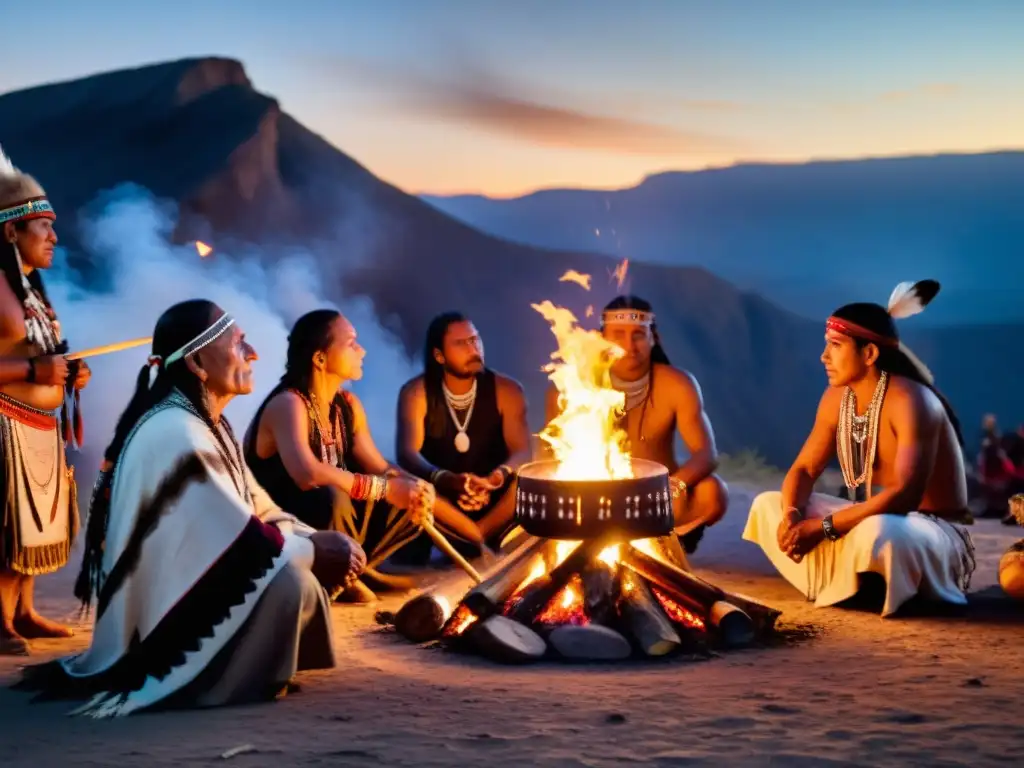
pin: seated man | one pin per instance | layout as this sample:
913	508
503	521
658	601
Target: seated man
309	437
207	594
660	400
463	427
899	447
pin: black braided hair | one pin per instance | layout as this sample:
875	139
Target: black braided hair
175	328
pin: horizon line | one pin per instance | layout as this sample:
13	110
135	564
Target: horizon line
713	168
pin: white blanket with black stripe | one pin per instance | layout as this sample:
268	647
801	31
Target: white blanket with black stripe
191	545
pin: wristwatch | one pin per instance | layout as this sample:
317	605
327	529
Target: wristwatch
677	486
830	530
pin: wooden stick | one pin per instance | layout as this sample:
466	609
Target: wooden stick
445	546
108	348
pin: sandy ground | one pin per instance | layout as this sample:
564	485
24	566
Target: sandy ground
865	691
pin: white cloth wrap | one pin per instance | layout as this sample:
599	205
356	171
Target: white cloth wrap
914	553
195	529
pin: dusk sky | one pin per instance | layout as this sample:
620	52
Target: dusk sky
506	97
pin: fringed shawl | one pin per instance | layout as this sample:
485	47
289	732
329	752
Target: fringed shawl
187	557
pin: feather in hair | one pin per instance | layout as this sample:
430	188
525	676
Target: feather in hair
6	166
908	299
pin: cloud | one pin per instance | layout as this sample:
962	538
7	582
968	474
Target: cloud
473	97
927	91
918	94
146	274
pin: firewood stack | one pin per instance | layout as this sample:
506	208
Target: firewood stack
605	600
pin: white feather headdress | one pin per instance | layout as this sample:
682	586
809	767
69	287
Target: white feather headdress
909	299
16	189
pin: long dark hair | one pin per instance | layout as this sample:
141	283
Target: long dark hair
311	333
892	360
175	328
629	301
433	371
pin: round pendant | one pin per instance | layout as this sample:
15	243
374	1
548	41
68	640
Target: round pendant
462	442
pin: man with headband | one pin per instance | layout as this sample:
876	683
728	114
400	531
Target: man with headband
659	401
207	594
38	510
899	446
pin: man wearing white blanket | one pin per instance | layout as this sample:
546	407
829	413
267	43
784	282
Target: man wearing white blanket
899	447
206	592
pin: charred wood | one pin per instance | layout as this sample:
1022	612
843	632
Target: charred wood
488	597
646	620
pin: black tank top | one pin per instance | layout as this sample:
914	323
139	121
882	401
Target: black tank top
487	448
270	472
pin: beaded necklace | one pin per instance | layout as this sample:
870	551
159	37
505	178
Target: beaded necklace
862	430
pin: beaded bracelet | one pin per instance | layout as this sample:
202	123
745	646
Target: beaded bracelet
360	487
368	487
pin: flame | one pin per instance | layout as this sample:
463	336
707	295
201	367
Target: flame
461	620
584	437
676	612
572	276
203	249
566	607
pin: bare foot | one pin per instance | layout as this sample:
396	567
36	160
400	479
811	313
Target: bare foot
34	626
357	592
12	644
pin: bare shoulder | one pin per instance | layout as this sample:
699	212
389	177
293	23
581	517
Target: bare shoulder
828	406
913	398
12	314
682	383
285	402
508	387
414	389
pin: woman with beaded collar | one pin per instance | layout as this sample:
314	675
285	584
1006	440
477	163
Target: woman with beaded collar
899	446
38	510
311	447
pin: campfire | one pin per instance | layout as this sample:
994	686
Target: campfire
594	570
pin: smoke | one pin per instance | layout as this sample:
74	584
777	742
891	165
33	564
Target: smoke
145	274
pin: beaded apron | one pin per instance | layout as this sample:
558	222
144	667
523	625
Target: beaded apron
40	510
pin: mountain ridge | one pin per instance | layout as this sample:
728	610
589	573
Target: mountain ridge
241	170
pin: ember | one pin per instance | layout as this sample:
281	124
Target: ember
596	571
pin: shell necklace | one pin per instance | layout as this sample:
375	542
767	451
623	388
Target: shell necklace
460	403
859	429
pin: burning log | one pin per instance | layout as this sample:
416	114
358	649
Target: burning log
487	598
589	642
507	641
645	618
735	626
600	592
540	592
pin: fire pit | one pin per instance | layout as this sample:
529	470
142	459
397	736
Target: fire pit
591	576
595	572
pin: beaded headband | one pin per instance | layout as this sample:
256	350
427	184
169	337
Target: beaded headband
208	336
39	208
847	328
627	317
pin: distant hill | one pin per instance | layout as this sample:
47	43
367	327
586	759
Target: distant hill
197	132
809	237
